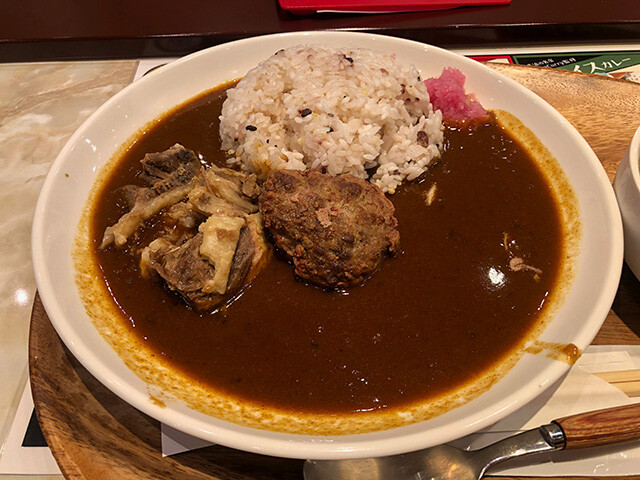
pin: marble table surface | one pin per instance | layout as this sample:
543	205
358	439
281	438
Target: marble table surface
41	105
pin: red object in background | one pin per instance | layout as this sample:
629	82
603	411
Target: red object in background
381	6
488	58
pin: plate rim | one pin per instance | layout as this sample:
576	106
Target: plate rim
245	440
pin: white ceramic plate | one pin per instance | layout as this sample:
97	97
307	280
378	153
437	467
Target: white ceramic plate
62	199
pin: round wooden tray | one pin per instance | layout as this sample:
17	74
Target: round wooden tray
94	435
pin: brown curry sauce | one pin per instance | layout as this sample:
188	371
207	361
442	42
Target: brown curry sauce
442	312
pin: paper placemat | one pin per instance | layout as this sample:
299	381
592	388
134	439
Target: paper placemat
25	452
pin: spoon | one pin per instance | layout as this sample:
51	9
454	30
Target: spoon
600	427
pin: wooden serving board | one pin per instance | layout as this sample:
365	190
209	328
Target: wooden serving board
96	436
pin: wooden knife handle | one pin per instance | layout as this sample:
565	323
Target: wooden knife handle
601	427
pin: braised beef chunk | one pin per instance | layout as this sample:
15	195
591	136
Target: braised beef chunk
189	273
242	259
183	268
337	230
169	177
208	237
169	169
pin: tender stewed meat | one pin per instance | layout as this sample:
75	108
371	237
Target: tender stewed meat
181	266
165	170
210	237
188	272
169	177
337	230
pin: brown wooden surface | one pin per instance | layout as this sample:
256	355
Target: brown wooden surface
603	427
48	29
96	436
68	19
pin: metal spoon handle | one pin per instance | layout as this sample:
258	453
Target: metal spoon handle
538	440
601	427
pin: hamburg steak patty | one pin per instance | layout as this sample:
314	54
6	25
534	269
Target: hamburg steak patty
337	230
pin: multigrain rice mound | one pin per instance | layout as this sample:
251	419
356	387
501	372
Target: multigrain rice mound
337	109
